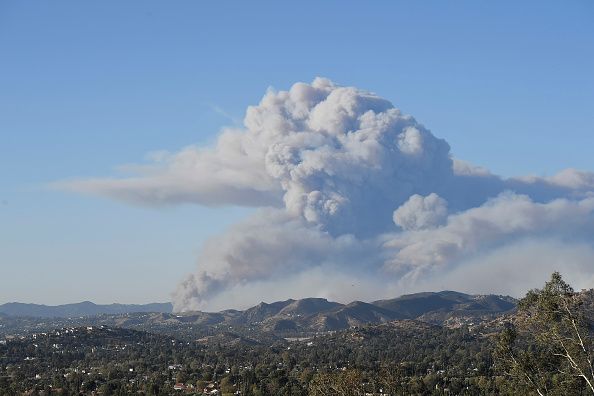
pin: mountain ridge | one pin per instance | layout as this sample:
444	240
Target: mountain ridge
84	308
301	315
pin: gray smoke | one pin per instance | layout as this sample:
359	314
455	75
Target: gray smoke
350	186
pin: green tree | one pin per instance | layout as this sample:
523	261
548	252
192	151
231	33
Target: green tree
550	348
227	386
348	383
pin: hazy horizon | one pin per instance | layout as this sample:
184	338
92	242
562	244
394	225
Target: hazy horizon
222	309
187	154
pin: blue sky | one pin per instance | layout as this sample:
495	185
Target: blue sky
88	86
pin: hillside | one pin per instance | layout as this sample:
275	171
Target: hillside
306	315
441	307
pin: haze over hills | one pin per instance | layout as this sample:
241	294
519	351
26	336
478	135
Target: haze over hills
308	314
85	308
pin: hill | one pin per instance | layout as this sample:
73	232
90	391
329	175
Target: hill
444	306
308	315
85	308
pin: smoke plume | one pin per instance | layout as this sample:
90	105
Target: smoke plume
351	189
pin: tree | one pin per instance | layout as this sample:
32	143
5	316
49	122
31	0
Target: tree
227	386
346	383
200	385
550	347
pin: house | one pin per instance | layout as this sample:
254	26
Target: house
211	389
179	387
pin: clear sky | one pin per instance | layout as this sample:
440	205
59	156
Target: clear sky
86	87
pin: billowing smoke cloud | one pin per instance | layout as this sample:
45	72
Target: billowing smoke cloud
506	218
421	212
350	186
269	245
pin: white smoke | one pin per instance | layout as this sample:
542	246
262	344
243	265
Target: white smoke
515	267
504	219
269	245
348	183
421	212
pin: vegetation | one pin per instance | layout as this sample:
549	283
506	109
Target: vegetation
549	349
545	348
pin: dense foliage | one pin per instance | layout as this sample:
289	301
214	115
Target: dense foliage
543	349
399	358
549	349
